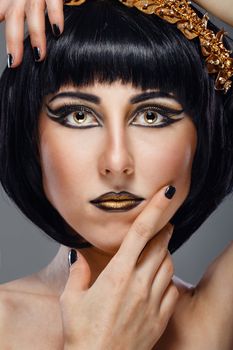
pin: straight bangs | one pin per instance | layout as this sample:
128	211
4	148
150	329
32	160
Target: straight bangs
105	41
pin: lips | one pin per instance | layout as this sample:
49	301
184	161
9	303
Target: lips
113	201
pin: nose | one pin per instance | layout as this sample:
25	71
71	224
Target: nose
116	158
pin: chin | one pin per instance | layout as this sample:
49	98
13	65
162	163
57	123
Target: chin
107	238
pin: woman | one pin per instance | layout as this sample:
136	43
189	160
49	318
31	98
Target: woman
97	117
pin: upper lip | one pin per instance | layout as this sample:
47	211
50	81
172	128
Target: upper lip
113	196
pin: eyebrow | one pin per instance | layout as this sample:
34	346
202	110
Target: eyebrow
95	99
148	95
77	94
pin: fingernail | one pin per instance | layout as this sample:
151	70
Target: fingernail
170	191
10	60
56	30
72	256
36	52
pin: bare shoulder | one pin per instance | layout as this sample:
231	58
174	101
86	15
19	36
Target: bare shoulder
19	296
14	306
217	281
14	295
22	293
214	297
23	312
203	317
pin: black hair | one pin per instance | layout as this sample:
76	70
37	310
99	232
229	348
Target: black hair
105	41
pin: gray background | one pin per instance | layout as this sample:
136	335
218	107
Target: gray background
25	249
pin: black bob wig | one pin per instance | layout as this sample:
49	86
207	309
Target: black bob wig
105	41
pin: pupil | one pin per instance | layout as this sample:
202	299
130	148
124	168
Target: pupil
150	117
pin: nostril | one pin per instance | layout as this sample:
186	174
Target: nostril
128	171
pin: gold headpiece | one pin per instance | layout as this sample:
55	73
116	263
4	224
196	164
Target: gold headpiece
218	60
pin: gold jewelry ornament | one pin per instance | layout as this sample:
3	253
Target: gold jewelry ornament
218	60
74	2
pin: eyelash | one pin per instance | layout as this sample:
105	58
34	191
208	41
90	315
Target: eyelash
61	115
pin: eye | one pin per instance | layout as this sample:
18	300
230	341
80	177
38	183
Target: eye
80	118
155	117
74	116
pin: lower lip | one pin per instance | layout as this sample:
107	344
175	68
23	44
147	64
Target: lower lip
117	205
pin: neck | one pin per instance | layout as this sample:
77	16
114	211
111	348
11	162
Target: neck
55	275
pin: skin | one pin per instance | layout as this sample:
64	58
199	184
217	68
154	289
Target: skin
14	13
115	157
221	9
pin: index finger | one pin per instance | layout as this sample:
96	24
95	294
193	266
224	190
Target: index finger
149	222
14	33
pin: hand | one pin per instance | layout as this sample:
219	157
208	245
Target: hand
132	300
14	13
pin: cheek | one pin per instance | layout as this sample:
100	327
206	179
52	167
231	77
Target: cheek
170	159
61	157
176	160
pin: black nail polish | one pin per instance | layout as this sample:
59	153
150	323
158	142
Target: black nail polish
72	257
170	191
36	52
56	30
10	60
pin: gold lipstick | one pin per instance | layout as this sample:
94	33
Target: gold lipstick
117	205
121	201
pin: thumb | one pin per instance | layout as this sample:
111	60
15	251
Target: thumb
80	273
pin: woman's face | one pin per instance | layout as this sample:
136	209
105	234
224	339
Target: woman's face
119	141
